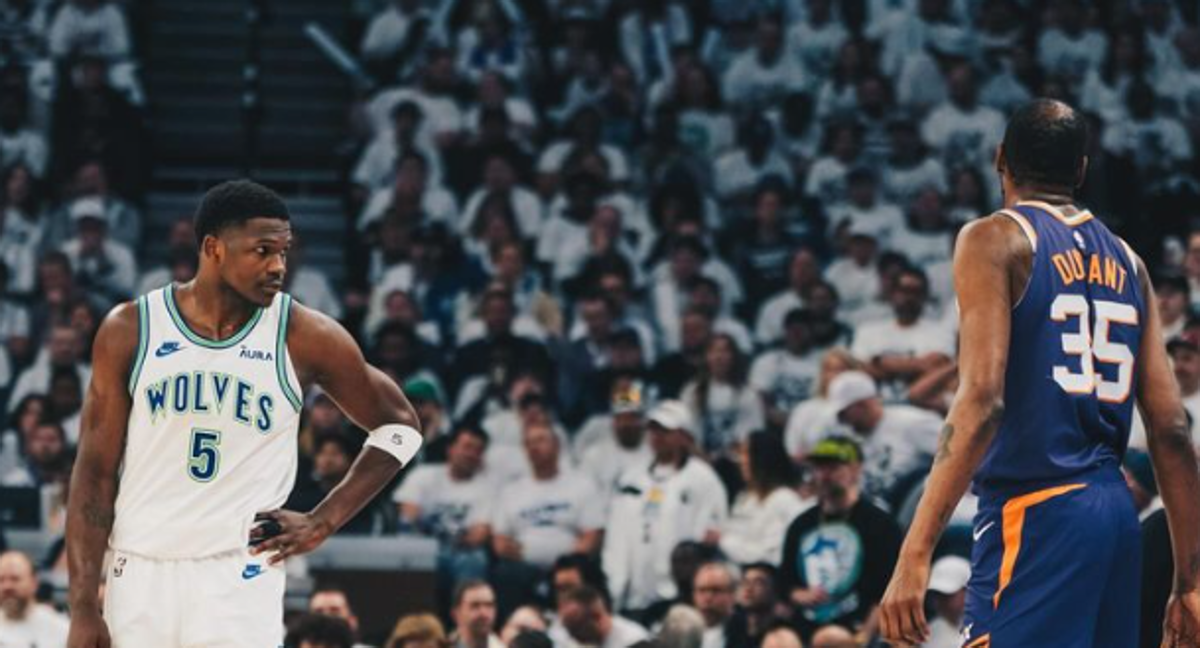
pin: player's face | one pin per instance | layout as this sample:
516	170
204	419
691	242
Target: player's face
252	258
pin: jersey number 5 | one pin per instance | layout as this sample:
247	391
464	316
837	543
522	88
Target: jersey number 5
204	457
1094	346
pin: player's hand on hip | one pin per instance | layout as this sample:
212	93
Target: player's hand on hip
287	533
1181	624
88	630
902	612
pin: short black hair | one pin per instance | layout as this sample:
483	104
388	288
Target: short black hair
233	203
531	639
466	429
1045	143
320	629
344	443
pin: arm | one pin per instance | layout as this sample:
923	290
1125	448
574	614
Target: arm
94	479
325	354
1175	468
985	263
927	390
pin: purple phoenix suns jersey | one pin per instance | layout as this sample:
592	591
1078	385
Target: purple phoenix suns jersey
1072	360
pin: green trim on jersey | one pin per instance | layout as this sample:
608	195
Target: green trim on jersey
143	342
194	338
292	396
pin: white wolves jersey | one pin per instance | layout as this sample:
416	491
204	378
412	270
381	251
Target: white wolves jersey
212	432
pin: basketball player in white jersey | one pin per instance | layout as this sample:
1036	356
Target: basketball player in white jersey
188	443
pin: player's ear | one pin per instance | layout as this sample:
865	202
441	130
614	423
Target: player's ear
1081	175
212	247
1001	166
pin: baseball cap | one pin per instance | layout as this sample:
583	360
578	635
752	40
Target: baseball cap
849	388
90	207
950	575
836	449
628	400
673	415
419	389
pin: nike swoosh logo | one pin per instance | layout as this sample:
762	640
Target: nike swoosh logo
167	349
252	571
979	534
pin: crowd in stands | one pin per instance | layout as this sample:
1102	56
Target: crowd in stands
669	283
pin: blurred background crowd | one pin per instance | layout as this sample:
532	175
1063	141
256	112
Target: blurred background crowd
669	282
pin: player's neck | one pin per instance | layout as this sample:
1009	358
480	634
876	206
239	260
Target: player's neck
1050	195
211	310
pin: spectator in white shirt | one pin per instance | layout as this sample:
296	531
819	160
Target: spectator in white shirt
473	610
63	349
19	143
727	407
451	502
901	349
92	27
864	211
676	497
786	377
826	182
739	173
804	272
898	441
762	512
411	191
705	295
1181	84
1174	304
815	39
376	167
763	73
585	614
1158	145
101	265
963	131
443	123
541	517
855	276
947	597
625	445
22	227
910	168
1068	48
24	621
1185	358
585	131
926	239
91	180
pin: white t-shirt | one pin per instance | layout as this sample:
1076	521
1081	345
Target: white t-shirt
816	47
881	219
605	460
748	81
735	174
376	168
448	507
100	32
1071	57
437	203
769	327
386	33
439	114
755	529
1151	143
827	180
922	249
964	137
809	423
42	628
887	337
902	184
556	154
730	416
546	517
786	379
904	442
25	146
856	285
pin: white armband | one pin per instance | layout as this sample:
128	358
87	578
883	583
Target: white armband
400	441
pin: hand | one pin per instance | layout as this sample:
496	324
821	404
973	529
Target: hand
1181	624
299	533
88	630
902	612
808	597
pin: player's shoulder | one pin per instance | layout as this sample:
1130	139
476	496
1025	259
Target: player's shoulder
1000	235
311	324
121	324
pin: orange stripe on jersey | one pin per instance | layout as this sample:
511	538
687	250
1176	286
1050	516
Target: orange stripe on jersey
1078	219
1013	524
981	642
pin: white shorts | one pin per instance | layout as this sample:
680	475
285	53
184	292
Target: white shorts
232	600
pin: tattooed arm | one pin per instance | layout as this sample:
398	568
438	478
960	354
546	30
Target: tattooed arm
1175	468
991	267
94	479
